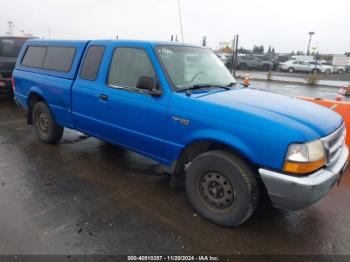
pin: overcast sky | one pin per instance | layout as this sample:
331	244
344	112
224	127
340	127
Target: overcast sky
280	23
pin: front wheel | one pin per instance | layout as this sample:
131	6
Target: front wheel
222	188
340	71
45	125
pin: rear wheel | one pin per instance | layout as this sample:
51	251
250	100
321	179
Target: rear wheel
314	71
222	188
291	70
45	126
340	71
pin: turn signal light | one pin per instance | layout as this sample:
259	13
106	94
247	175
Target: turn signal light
303	168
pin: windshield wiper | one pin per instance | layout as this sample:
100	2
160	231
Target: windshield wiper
199	86
230	84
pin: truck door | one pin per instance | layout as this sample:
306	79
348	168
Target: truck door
114	109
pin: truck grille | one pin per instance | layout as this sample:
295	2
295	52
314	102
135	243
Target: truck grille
333	144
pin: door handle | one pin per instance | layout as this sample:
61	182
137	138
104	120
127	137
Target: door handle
103	97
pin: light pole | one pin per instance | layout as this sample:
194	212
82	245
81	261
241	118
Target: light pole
11	26
179	8
308	47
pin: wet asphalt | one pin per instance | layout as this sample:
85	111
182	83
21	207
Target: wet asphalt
85	196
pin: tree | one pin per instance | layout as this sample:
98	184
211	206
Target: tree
269	50
273	50
242	50
258	49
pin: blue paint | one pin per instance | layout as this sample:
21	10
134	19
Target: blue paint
260	125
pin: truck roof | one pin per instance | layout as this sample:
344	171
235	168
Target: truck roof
80	47
107	41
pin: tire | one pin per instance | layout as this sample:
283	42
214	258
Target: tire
222	188
314	71
291	70
46	128
266	67
340	71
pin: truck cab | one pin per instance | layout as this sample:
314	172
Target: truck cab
9	50
179	105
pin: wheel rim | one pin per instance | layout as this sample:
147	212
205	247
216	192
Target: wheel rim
216	190
43	122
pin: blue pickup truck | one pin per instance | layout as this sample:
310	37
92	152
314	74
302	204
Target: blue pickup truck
180	106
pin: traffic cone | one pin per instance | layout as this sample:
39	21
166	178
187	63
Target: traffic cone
246	81
347	93
339	97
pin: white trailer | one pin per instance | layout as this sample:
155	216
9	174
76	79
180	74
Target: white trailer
341	60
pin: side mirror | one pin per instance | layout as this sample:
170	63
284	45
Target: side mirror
147	83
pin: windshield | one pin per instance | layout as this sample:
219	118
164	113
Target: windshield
190	66
10	47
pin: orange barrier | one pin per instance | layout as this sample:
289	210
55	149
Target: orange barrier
343	108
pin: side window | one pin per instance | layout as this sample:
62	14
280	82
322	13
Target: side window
34	56
59	58
127	65
92	62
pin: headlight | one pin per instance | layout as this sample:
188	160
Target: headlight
305	158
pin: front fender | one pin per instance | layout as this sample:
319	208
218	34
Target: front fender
222	137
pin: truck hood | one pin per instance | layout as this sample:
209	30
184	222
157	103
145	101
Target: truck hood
312	120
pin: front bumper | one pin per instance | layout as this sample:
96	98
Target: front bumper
294	193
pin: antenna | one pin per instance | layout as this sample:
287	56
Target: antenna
179	7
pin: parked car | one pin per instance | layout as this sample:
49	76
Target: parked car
321	68
292	66
180	106
269	58
336	69
304	58
223	57
9	49
283	58
251	62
